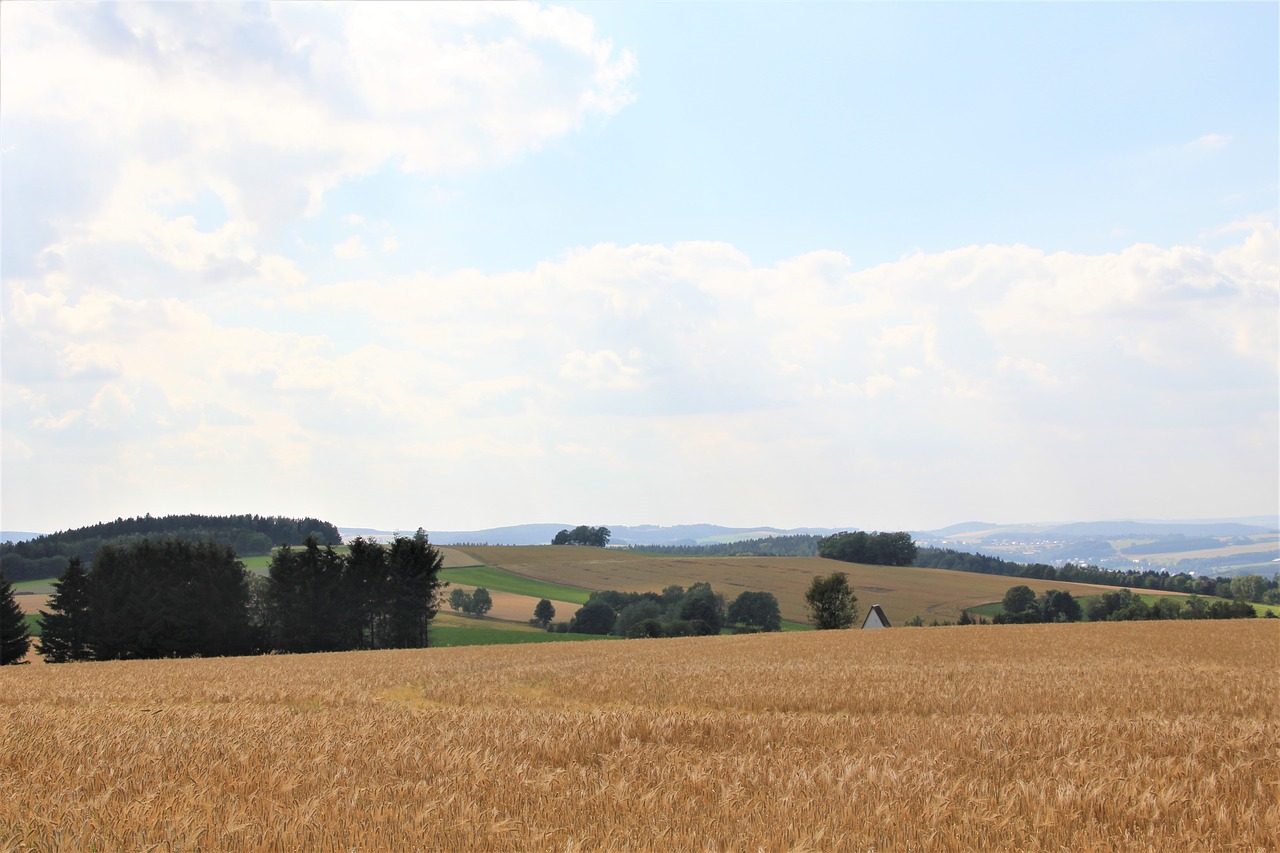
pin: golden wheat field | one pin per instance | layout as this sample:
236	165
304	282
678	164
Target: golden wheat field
1108	736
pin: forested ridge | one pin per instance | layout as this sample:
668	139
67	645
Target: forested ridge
249	535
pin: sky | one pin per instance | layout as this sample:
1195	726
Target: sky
457	266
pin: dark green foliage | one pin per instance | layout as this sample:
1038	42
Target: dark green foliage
64	635
877	549
481	602
543	612
47	556
594	617
704	608
635	613
15	639
376	597
831	602
1019	599
597	537
460	599
168	598
758	610
1056	605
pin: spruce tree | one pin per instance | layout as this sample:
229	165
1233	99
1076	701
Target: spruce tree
15	640
65	627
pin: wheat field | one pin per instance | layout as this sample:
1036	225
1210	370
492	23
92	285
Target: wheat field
1109	736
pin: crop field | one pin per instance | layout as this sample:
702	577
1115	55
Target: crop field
497	579
901	592
1036	737
450	630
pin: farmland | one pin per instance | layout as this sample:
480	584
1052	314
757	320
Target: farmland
1086	736
901	592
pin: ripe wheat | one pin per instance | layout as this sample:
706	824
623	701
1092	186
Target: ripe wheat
1093	736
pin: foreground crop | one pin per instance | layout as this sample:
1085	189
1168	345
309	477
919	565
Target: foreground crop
1107	736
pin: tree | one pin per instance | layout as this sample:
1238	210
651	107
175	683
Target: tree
704	608
481	602
543	612
65	627
881	549
1018	599
645	610
831	602
15	639
757	610
594	617
1055	605
460	600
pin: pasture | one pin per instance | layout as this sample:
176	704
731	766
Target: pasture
1035	737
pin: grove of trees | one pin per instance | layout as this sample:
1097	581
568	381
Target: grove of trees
476	603
597	537
674	612
176	598
877	549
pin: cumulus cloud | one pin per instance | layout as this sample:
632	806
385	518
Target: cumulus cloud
269	106
999	359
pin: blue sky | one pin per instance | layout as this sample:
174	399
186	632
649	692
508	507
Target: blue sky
874	265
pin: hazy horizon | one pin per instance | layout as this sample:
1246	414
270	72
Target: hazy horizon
456	265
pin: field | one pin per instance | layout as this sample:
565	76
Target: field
901	592
1037	737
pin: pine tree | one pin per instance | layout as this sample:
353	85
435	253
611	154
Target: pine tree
65	634
15	640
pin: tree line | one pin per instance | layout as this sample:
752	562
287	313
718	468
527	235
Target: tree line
674	612
1250	587
177	598
249	535
791	545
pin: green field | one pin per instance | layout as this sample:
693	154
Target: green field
449	631
33	623
503	581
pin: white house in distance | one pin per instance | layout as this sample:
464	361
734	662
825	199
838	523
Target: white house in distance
875	618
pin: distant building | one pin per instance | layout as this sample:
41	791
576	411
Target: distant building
875	618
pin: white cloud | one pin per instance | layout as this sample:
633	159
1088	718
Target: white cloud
1210	142
351	248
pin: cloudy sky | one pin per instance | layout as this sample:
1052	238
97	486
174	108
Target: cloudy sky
460	266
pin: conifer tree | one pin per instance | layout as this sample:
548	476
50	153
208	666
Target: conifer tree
65	626
15	640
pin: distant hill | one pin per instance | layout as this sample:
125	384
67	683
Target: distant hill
644	534
47	555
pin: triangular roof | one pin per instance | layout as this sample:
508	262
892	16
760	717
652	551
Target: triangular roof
879	616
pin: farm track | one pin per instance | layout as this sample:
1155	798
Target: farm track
1113	736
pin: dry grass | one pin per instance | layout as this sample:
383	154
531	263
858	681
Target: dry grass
901	592
1130	736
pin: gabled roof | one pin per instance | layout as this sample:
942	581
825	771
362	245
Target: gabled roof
878	614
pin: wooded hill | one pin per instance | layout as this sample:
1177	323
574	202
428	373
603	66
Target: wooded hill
249	535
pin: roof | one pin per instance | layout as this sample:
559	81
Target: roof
879	615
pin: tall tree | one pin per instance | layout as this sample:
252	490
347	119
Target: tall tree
15	640
64	635
831	602
413	587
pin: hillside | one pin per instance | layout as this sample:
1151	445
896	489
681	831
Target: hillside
1038	737
900	591
46	556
